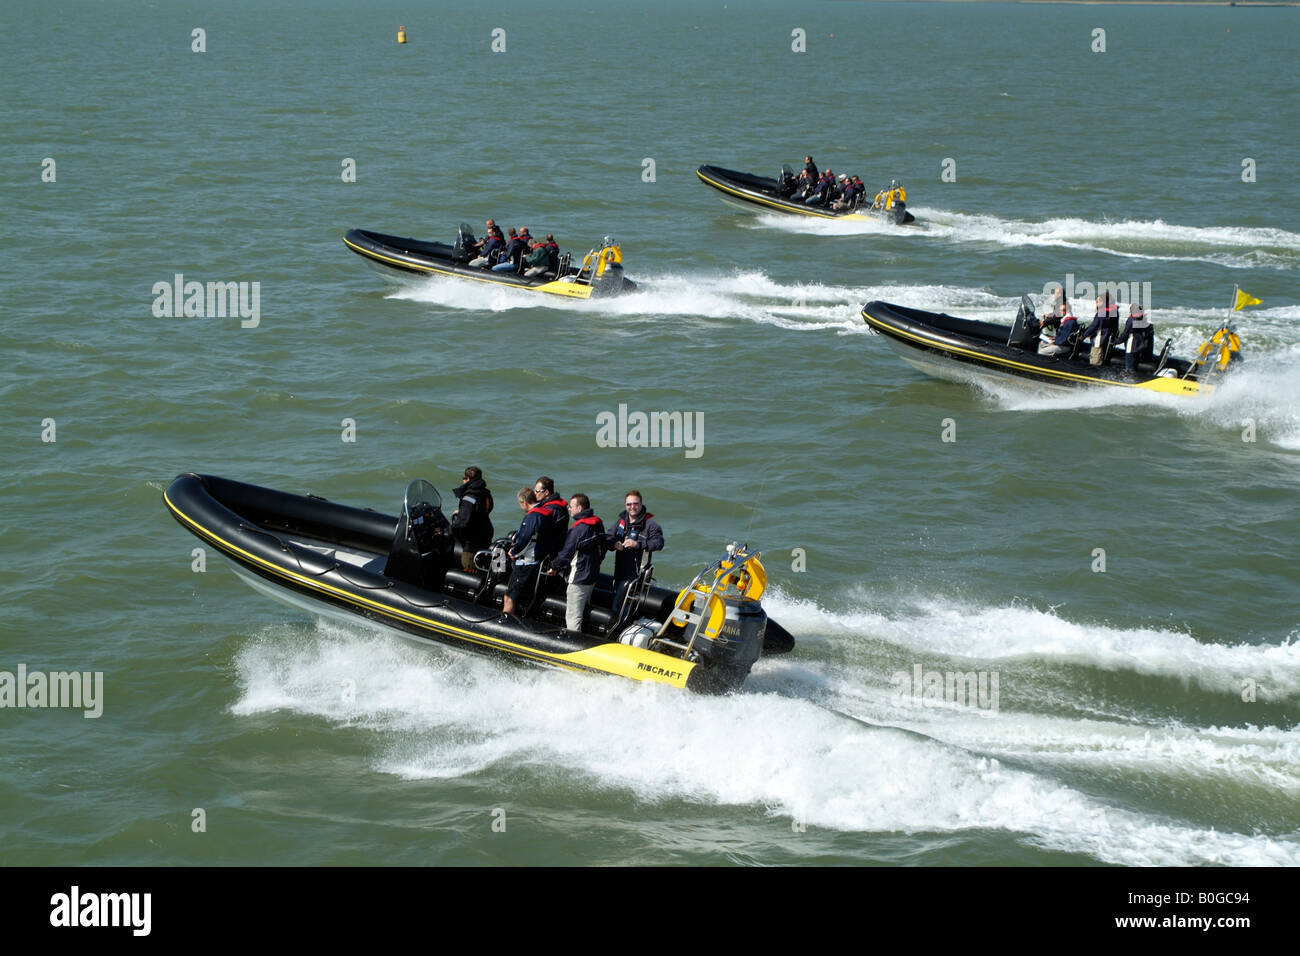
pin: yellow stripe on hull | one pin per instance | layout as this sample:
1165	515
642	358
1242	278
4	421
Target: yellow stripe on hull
1166	386
574	290
619	659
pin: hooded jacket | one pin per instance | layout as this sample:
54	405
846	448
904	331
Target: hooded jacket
471	525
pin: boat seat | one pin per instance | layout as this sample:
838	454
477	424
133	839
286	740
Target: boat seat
462	583
595	620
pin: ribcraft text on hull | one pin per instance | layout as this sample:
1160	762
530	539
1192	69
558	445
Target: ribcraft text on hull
403	572
754	193
953	348
600	273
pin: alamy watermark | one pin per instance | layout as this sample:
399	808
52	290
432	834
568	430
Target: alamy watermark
624	429
75	908
922	688
78	690
1134	293
194	299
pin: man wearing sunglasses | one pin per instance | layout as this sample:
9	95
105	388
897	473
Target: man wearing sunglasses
635	537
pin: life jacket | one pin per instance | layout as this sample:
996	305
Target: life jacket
550	508
624	524
592	519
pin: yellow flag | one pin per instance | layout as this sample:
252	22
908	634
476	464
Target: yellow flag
1244	300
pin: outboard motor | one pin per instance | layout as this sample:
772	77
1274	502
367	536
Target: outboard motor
717	621
423	544
606	265
733	649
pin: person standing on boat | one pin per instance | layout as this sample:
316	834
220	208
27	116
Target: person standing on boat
579	560
556	518
523	573
1139	328
634	539
470	523
1104	326
810	168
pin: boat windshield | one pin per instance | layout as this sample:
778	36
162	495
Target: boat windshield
786	171
421	491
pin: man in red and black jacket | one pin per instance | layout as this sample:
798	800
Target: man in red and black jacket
579	559
555	518
635	537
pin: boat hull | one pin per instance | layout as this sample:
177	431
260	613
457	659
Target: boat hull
417	257
751	193
958	349
329	559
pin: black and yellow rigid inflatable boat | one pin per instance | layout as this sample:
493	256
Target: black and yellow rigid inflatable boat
404	573
599	274
956	349
754	193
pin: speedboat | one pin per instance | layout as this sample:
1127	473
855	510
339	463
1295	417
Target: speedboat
955	349
404	573
754	193
599	274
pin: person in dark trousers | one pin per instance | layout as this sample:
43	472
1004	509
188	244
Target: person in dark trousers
1104	325
850	192
823	190
633	540
1143	334
555	512
516	246
523	574
804	185
470	523
579	560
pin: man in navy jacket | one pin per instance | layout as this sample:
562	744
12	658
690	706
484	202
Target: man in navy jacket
635	537
551	503
579	559
523	573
